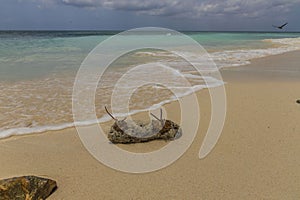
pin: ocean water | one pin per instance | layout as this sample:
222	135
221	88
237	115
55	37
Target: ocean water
38	69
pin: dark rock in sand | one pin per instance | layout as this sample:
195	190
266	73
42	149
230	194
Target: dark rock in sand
298	101
26	188
131	132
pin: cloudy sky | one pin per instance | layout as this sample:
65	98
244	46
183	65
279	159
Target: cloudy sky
204	15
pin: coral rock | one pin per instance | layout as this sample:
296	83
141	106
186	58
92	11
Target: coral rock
26	188
131	132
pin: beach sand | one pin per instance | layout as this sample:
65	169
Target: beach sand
256	157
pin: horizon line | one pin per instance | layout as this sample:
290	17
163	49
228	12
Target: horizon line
121	30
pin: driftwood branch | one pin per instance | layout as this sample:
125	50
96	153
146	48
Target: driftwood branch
113	116
161	115
159	119
110	114
123	119
155	116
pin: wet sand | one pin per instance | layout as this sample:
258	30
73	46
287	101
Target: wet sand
256	157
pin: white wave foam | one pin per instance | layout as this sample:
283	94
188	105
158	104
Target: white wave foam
233	58
286	41
210	82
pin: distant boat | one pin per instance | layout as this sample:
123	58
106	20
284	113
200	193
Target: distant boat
280	27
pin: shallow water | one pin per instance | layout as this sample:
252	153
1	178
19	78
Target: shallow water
38	69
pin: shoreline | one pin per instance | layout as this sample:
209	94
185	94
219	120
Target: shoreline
230	73
256	157
259	69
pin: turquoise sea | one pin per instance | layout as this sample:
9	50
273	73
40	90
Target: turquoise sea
38	68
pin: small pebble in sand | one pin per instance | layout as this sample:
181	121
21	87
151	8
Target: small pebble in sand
298	101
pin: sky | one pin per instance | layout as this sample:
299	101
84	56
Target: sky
195	15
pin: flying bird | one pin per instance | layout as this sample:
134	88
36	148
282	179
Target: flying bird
280	27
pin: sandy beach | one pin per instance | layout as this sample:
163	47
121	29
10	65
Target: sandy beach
256	157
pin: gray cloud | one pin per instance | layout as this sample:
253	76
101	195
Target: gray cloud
81	3
188	8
